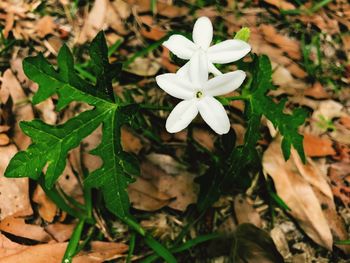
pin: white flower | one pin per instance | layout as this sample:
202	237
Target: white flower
224	52
197	93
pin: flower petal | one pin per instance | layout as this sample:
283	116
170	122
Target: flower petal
214	114
228	51
176	86
180	46
184	71
199	68
213	69
203	32
224	83
181	116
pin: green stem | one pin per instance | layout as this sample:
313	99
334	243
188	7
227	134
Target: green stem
319	5
89	235
73	242
84	73
185	246
131	247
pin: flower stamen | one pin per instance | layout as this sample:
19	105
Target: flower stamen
199	94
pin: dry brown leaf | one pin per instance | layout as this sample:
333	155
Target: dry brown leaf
60	232
316	146
153	33
10	19
281	4
91	162
340	134
329	109
145	196
18	227
45	26
260	46
336	223
204	138
69	183
94	22
14	192
47	109
117	12
47	208
245	212
279	238
345	121
11	252
130	142
145	67
172	68
22	109
288	45
339	173
176	191
317	91
325	23
4	139
297	193
164	9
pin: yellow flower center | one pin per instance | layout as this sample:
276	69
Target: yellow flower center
199	94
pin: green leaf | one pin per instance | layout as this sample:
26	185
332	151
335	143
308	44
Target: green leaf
261	104
243	34
104	71
230	172
113	177
55	142
51	144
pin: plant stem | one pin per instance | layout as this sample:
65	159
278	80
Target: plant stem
131	247
73	242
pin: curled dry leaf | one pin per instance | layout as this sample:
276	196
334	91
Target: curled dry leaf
18	227
14	193
296	192
11	252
